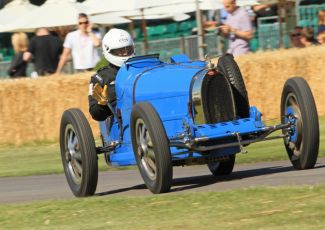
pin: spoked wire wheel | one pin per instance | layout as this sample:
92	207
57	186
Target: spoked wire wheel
150	147
73	155
145	151
298	106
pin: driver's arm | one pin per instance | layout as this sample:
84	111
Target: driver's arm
97	111
103	77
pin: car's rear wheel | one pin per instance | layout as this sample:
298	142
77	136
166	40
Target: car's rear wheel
151	149
302	143
223	167
78	153
228	66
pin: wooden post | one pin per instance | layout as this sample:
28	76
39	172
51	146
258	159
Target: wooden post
144	31
280	12
200	32
131	28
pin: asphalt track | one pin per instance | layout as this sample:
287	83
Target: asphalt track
186	179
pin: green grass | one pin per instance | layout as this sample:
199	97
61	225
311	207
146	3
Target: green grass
37	159
253	208
31	159
44	157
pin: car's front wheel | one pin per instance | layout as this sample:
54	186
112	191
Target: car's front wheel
302	141
228	66
151	149
78	153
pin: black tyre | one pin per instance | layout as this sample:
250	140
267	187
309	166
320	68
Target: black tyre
222	168
151	149
228	66
302	145
78	153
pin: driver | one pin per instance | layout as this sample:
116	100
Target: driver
117	47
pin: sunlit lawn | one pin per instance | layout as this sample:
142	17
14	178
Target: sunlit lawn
254	208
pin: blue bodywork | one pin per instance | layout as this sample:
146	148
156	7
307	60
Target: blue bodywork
167	87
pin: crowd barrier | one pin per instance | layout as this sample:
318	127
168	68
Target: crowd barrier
31	109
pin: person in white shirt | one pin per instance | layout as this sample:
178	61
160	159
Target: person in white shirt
81	44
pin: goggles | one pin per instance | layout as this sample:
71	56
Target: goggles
123	52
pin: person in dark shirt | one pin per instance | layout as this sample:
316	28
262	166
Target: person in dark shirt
45	50
18	65
265	10
117	47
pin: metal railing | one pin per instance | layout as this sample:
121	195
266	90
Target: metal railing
185	44
307	16
4	66
269	36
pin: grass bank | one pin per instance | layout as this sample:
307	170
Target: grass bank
44	158
253	208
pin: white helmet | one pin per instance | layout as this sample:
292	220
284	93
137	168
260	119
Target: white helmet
117	46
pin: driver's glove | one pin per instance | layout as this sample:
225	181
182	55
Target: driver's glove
100	94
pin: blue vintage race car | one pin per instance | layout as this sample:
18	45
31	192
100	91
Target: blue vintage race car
182	113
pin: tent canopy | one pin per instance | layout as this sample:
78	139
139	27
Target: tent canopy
54	13
13	9
102	6
174	7
154	7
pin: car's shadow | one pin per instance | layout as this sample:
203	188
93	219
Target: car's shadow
188	183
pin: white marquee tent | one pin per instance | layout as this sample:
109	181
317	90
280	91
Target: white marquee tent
154	7
15	9
54	13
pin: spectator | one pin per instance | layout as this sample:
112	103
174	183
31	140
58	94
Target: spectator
238	28
45	50
81	44
307	37
321	21
321	38
117	48
295	37
18	65
265	10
